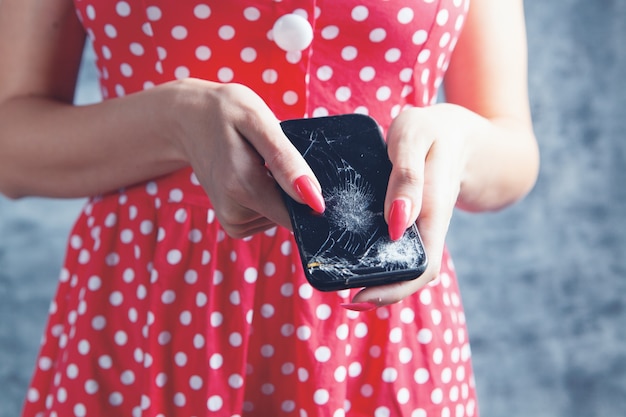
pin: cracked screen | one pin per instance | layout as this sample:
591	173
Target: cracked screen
349	245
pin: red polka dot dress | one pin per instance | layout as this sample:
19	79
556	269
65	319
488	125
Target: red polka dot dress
160	313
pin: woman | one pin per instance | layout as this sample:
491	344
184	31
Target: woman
180	294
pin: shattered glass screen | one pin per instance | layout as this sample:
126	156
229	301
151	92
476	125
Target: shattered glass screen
349	245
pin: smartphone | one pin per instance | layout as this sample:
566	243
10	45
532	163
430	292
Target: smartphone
348	245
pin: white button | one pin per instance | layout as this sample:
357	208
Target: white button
292	33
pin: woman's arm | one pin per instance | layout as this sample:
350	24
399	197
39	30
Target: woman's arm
476	152
48	147
488	76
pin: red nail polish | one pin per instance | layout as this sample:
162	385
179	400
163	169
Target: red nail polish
309	193
364	306
398	218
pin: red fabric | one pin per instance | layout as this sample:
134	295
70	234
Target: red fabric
159	313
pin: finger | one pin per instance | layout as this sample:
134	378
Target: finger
407	151
286	164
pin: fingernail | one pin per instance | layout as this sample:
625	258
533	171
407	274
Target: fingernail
398	218
309	193
364	306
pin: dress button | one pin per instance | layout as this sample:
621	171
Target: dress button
292	33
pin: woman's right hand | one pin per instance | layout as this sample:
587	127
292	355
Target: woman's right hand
241	156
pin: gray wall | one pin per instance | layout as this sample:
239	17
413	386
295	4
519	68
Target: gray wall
544	282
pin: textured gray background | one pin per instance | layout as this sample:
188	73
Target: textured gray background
544	282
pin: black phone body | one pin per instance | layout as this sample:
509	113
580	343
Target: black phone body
349	246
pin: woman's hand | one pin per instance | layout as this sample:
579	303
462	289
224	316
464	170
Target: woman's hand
429	155
239	153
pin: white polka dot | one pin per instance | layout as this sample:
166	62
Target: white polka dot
405	355
438	356
436	396
203	53
110	30
420	37
168	297
174	256
32	395
191	277
367	74
127	377
250	275
304	332
225	74
349	53
251	13
94	283
354	369
179	399
154	13
180	359
323	311
105	362
324	73
321	396
161	380
421	376
343	94
136	49
116	298
423	56
424	336
91	386
235	298
91	12
235	339
226	32
330	32
80	410
216	361
269	76
120	338
122	8
185	318
180	73
202	11
285	248
360	13
442	17
248	54
267	310
405	15
215	403
390	374
393	55
367	390
383	93
201	299
378	35
290	98
98	323
195	382
269	269
360	330
164	338
305	291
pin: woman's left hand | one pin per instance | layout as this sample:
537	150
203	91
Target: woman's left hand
429	155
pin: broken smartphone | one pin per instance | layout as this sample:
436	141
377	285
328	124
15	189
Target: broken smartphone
349	246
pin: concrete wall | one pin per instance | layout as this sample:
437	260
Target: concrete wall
544	282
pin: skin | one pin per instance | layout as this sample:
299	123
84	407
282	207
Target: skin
477	152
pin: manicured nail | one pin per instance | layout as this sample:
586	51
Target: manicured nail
398	219
364	306
309	193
